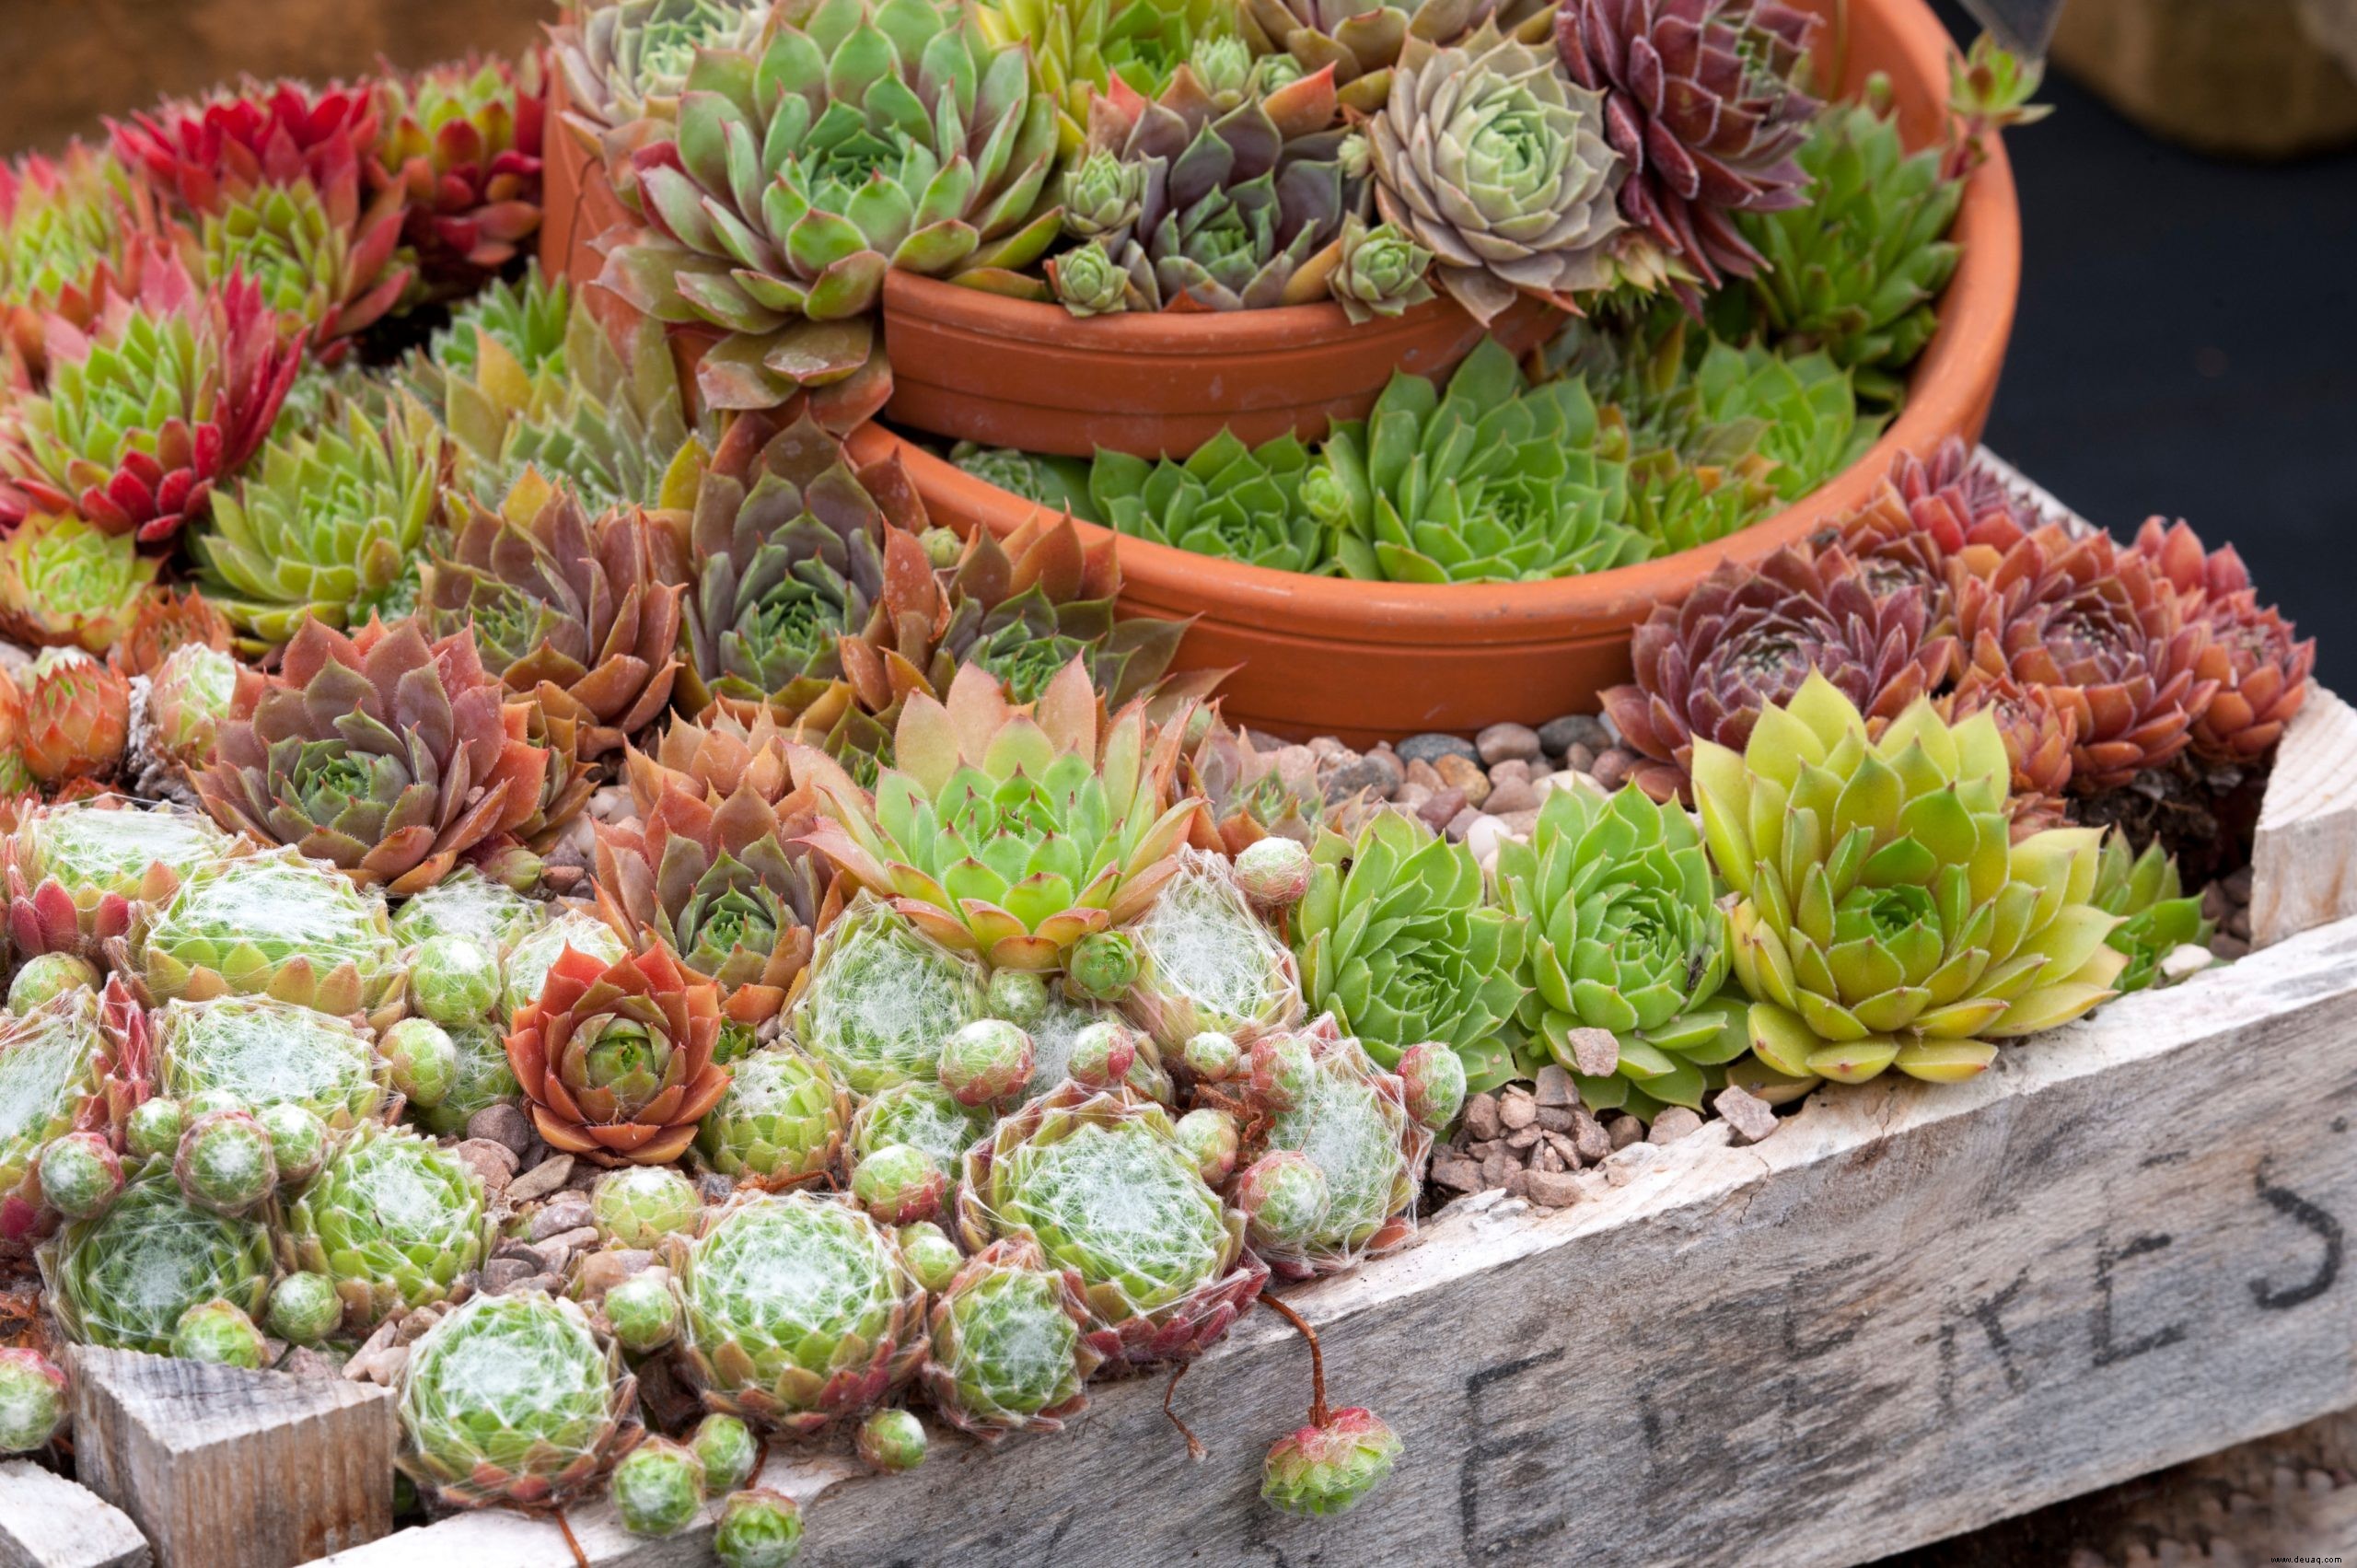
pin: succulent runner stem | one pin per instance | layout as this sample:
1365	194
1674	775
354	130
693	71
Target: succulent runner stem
580	1558
1195	1449
1317	1412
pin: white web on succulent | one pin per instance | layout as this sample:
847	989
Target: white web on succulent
393	1185
42	1058
1052	1036
1017	1341
265	1052
153	1258
1125	1207
882	1002
767	1083
281	900
467	904
1201	942
520	1358
236	1158
921	1115
532	958
82	845
1341	1125
792	1266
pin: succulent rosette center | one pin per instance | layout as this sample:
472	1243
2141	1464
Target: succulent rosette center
617	1060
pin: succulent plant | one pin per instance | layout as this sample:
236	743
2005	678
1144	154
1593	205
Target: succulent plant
220	1332
657	1488
1328	1466
863	135
2263	676
1226	499
66	582
900	1184
32	1399
1395	941
1493	480
1626	936
1079	48
77	230
1702	100
1918	936
272	923
453	979
75	718
154	1128
1746	638
615	1060
1008	1348
467	904
1379	270
629	62
2040	730
385	754
795	1360
321	252
191	696
393	1219
71	1064
80	1175
164	395
637	1205
923	1116
512	1398
1058	483
1359	38
2155	916
1100	1184
780	1122
46	976
758	1528
325	528
1206	962
124	1279
480	1078
267	1052
1924	513
1240	205
298	1140
729	1451
1349	1122
537	951
1490	158
1047	824
1284	1197
78	871
304	1308
1857	268
201	153
891	1441
462	143
2105	632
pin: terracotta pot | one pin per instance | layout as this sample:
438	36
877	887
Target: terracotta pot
1367	661
1006	372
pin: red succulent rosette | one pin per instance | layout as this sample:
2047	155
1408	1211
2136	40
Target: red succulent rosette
2040	729
615	1060
201	153
462	141
2264	666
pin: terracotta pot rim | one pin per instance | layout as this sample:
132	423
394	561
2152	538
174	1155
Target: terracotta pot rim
1191	333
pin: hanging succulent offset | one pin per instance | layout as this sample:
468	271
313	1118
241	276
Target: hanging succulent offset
1008	833
861	137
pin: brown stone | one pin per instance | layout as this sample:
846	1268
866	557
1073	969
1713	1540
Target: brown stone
1554	1087
1674	1123
1481	1116
1421	773
1546	1156
1552	1188
1438	811
1498	1169
1523	1139
504	1123
1509	796
1611	769
567	1211
1517	1110
494	1163
1594	1051
1590	1138
1508	742
1458	773
1457	1175
1555	1118
1747	1116
541	1180
1623	1130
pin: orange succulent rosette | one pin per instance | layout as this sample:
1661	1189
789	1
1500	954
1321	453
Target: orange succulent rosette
615	1060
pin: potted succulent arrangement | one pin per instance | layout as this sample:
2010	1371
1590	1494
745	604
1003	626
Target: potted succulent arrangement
514	860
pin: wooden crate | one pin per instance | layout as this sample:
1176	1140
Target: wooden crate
1913	1311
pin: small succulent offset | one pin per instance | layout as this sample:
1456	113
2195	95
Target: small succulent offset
1625	936
780	1122
860	136
75	718
2155	916
61	1071
1398	941
1081	48
1008	1348
32	1399
1328	1466
1882	916
513	1398
272	924
1348	1119
1099	1182
794	1361
124	1279
391	1221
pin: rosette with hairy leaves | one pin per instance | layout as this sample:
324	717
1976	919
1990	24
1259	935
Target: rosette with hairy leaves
462	144
393	1219
514	1400
261	1052
77	872
1359	38
1701	98
1882	917
326	526
384	754
1746	638
881	999
1227	499
2104	630
1009	833
1008	1350
1099	1182
795	1358
1206	962
2264	674
726	888
1858	268
75	1064
66	582
1625	935
2155	917
1493	481
124	1279
1348	1118
165	395
615	1060
1080	48
272	923
75	718
862	135
577	615
1487	156
1396	941
1240	206
780	1125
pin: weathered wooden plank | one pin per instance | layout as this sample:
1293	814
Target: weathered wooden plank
47	1521
1913	1311
223	1468
2304	862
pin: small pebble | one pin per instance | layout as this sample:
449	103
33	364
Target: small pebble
2238	884
1464	776
1612	769
1502	743
1594	1051
1517	1110
2228	947
1262	740
1419	773
1483	837
1482	1118
1674	1123
1559	736
1555	1118
1377	776
2184	961
1554	1087
1525	1139
1589	1137
1748	1116
567	1211
1430	748
1462	824
494	1163
1499	1169
1412	794
1552	1189
506	1124
1295	764
2238	924
1520	824
1514	769
1329	749
1442	808
541	1180
1580	759
1624	1129
504	1275
1458	1175
1510	795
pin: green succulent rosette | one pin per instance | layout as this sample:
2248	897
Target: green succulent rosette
123	1279
393	1219
1007	1348
467	904
1207	962
482	1078
881	1000
1079	48
1883	917
1492	480
1350	1119
529	318
1227	499
76	870
780	1122
924	1116
65	582
513	1399
262	1051
1624	935
1396	940
1380	271
272	924
2155	917
55	1065
798	1310
1058	483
